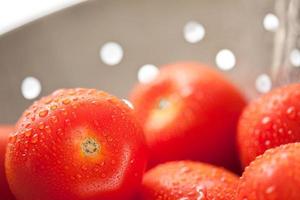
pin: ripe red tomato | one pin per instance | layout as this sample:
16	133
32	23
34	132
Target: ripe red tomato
5	193
273	176
76	144
269	121
190	111
183	180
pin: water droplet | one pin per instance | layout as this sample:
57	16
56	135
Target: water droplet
28	133
103	175
41	125
54	119
78	176
64	112
270	189
66	101
267	142
48	129
182	198
84	168
48	101
68	122
96	169
60	132
113	162
291	112
53	107
184	169
12	139
43	113
34	138
265	120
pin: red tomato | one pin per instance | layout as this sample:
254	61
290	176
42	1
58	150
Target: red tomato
269	121
190	111
187	180
5	193
273	176
76	144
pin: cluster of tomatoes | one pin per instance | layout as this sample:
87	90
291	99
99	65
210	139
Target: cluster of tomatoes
188	137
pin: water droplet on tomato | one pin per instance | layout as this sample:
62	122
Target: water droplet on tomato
113	162
68	122
265	120
48	101
53	107
291	112
66	101
184	169
54	119
41	126
34	138
270	190
43	113
84	168
28	133
78	176
48	129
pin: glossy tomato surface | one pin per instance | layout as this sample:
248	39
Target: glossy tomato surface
182	180
190	111
76	144
275	175
5	193
269	121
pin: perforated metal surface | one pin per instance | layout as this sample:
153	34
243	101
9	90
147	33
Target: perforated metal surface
62	50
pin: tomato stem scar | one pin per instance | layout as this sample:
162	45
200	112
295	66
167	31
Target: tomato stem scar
90	146
163	104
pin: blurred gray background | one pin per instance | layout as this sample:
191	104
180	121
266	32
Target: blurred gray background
62	50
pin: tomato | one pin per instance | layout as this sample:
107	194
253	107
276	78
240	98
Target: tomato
273	175
269	121
188	180
76	144
5	193
190	111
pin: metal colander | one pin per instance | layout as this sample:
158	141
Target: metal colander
63	49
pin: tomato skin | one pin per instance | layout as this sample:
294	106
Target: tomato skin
5	192
269	121
193	180
76	144
273	175
200	123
